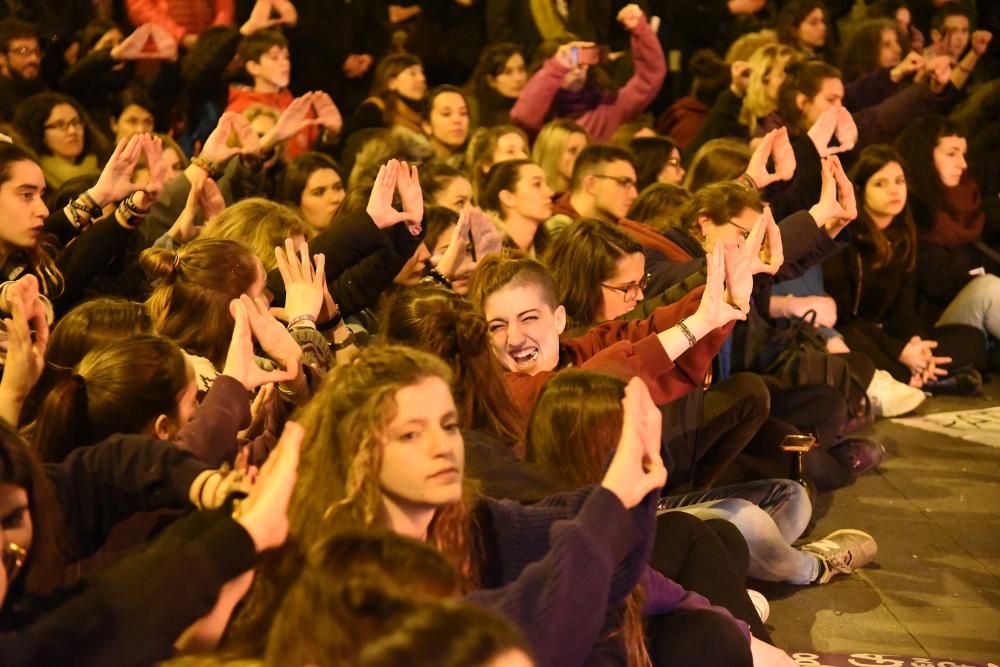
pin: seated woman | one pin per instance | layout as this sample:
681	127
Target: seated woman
555	151
261	226
567	84
380	474
131	113
802	25
57	128
490	146
445	185
658	160
585	409
446	122
957	273
314	184
516	192
81	498
874	282
398	96
496	84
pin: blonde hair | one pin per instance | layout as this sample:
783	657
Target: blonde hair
260	225
549	148
765	62
747	44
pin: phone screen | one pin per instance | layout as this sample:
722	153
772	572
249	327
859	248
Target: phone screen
590	55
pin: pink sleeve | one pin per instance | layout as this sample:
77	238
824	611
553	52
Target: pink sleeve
637	93
153	11
536	97
650	70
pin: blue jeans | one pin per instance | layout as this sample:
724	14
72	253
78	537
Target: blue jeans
770	514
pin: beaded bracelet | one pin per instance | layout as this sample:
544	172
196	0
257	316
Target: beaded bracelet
687	333
207	165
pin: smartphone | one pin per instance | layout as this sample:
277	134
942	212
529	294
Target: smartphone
590	55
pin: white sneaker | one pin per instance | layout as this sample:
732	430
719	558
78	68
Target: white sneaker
890	397
760	604
842	552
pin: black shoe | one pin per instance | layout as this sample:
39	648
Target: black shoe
965	382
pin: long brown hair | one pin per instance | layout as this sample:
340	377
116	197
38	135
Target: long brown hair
353	587
47	558
192	289
439	321
582	257
39	258
899	240
574	428
91	324
338	486
120	387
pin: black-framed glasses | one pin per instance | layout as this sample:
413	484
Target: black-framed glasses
63	125
13	556
631	291
744	230
623	181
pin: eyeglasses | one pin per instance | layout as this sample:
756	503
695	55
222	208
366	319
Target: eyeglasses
631	291
623	181
64	125
673	162
13	556
25	51
744	230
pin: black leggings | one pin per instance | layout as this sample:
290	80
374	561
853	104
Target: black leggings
710	558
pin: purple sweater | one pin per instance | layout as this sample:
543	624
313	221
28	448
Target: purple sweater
557	567
533	105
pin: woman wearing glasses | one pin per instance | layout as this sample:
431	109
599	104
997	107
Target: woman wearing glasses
600	271
57	128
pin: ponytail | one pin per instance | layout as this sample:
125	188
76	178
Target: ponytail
62	423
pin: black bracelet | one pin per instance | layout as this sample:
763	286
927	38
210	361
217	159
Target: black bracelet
332	323
439	278
347	342
687	333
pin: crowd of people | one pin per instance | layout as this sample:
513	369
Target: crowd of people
470	332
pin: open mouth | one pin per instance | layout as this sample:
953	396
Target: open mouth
528	355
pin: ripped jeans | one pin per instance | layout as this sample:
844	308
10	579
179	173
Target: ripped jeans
770	514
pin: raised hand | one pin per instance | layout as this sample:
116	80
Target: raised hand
166	45
822	131
26	290
132	46
250	323
294	119
837	205
911	65
411	196
636	468
768	259
938	72
846	131
393	176
287	13
264	512
25	357
485	238
304	287
455	256
217	148
115	182
980	41
630	16
152	148
565	52
774	144
715	310
260	18
327	113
